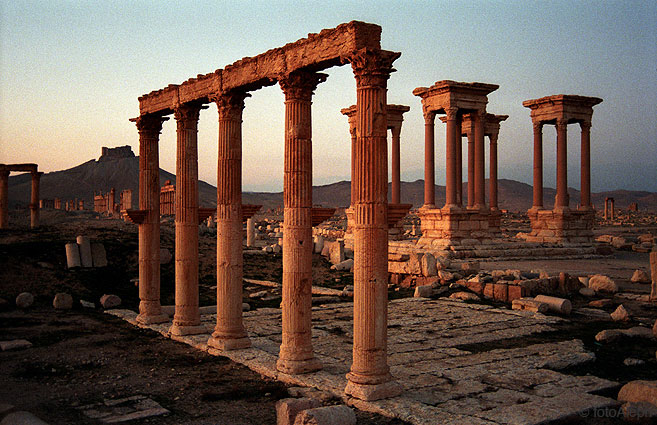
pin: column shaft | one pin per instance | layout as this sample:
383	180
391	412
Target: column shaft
4	199
395	189
296	351
585	155
34	200
150	311
562	165
369	378
459	163
429	160
471	167
450	157
538	166
187	319
492	191
480	163
229	332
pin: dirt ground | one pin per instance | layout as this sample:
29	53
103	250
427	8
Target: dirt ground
82	356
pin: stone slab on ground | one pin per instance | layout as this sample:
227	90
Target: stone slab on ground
14	344
123	409
430	353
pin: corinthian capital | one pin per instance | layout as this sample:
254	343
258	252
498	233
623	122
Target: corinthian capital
149	123
301	84
187	112
371	67
585	125
230	104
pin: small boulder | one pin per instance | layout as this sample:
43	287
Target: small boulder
620	314
470	267
329	415
428	265
601	303
24	300
633	362
465	296
165	256
348	291
110	301
246	307
287	409
62	301
87	304
601	283
609	335
587	292
423	291
640	276
638	391
345	265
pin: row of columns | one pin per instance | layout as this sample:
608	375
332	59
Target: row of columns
369	377
34	198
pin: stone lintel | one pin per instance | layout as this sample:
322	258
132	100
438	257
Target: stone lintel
453	94
314	53
29	167
573	108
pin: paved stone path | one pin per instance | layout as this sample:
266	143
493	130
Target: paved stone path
443	383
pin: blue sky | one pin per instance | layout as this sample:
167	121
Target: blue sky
71	72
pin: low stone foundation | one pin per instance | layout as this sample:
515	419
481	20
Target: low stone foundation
561	225
446	226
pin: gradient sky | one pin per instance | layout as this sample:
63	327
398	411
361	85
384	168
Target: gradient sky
71	73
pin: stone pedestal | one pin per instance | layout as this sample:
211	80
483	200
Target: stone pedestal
229	332
561	226
449	226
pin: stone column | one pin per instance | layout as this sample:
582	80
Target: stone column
459	162
187	318
150	311
369	378
250	233
611	207
480	168
606	208
562	165
585	189
492	191
352	133
4	199
450	157
395	189
229	332
471	166
34	201
538	166
429	160
296	351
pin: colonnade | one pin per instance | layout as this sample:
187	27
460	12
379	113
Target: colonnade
369	377
5	169
609	208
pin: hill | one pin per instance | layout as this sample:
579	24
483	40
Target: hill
120	169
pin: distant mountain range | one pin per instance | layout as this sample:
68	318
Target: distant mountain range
123	173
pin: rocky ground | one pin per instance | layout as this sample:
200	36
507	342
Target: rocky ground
82	357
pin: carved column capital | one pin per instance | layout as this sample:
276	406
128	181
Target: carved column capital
300	84
585	125
371	67
429	116
187	112
451	113
149	123
562	123
538	126
493	138
230	104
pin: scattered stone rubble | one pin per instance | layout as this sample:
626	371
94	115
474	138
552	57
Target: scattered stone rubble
85	254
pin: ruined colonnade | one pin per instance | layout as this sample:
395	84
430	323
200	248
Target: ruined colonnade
5	169
297	74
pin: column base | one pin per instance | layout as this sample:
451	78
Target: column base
181	330
152	319
227	344
373	392
298	367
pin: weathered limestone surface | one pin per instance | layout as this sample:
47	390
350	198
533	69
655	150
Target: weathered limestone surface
428	353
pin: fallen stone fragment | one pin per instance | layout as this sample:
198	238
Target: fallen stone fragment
165	256
428	265
345	265
620	314
98	255
584	280
529	304
639	391
85	251
22	418
639	412
246	307
259	294
24	300
609	335
465	296
423	291
287	409
72	255
639	332
640	276
87	304
601	303
14	344
45	265
62	301
470	267
601	283
633	362
587	292
593	314
348	291
110	301
557	305
330	415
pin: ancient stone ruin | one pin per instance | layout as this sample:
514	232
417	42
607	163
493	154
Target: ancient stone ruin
295	67
5	169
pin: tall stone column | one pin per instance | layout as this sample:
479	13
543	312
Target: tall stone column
459	162
585	155
395	162
369	378
187	318
229	332
471	166
296	351
4	199
538	166
429	160
150	311
562	165
34	200
480	179
492	191
450	157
